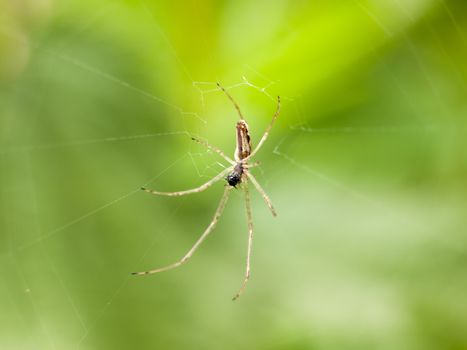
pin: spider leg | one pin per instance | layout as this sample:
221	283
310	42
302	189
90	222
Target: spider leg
250	241
232	100
219	210
268	129
252	165
214	149
262	193
201	188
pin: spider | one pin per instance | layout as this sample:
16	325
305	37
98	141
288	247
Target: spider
237	174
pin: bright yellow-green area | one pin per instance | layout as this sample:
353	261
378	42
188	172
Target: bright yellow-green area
366	166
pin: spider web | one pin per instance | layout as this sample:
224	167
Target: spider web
34	247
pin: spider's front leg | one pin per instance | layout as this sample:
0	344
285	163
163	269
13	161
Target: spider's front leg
209	229
262	193
250	238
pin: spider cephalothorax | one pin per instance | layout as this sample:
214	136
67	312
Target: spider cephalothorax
235	177
237	172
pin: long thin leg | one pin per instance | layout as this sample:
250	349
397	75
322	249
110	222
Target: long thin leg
214	149
250	241
268	129
262	193
194	190
232	100
208	230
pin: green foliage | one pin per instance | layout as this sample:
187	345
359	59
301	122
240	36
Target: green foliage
366	167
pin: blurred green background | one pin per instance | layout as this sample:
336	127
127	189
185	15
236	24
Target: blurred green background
366	166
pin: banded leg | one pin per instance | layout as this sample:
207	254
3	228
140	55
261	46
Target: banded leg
194	190
262	193
268	129
250	242
232	100
219	210
214	149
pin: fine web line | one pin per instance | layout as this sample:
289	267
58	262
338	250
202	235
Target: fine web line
205	87
173	52
375	18
57	230
44	328
42	324
107	304
371	129
83	142
101	73
326	178
44	252
416	56
122	83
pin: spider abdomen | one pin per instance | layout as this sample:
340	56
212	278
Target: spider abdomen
243	149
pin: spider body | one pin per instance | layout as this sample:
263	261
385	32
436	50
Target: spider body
237	173
235	177
243	149
242	152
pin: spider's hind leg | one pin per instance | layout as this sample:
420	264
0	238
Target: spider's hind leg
214	149
237	107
